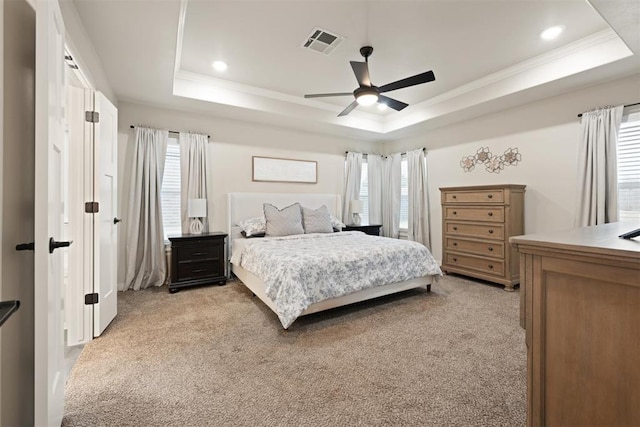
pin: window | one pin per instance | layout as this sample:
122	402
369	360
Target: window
170	193
364	192
629	168
404	194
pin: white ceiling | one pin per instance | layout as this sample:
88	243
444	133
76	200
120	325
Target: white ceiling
486	55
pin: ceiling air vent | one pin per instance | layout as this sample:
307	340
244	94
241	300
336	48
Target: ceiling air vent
322	41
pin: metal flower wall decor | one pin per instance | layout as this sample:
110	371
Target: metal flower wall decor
492	163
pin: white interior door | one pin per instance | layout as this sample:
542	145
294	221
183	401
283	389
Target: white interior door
48	269
78	315
106	221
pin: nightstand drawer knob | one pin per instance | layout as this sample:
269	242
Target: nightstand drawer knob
490	196
490	249
455	213
490	231
455	228
455	260
200	270
454	196
491	266
490	213
455	244
199	253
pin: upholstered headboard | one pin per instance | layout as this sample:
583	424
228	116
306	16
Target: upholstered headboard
247	205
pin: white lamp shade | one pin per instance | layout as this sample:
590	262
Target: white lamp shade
356	206
197	208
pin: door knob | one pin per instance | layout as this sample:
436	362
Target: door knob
116	220
53	244
25	246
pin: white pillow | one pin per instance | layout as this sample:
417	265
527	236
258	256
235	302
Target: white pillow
336	223
316	221
283	222
253	227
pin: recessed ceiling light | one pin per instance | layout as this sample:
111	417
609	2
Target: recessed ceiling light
552	32
382	106
220	65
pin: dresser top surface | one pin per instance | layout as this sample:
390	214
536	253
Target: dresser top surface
484	187
599	239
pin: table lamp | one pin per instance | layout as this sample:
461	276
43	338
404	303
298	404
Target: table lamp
196	209
356	209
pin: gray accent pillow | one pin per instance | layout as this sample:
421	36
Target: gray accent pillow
283	222
316	221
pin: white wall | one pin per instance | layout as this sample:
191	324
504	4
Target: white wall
546	134
231	147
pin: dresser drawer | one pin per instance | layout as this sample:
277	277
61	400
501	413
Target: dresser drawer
482	196
484	265
492	249
489	231
495	214
198	269
212	249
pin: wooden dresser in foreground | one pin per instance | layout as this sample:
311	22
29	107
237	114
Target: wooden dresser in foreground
476	225
580	305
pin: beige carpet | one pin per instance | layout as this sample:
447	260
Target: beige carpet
216	356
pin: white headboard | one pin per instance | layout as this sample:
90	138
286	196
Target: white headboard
247	205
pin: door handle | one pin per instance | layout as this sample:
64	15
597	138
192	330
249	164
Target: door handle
116	220
25	246
53	244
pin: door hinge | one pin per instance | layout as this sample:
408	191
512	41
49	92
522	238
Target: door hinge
92	116
90	299
92	207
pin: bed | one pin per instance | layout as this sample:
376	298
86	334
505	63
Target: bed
345	273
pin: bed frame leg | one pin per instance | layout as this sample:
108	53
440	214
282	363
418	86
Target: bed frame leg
428	288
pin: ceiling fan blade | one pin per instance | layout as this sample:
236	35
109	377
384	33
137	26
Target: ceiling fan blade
349	109
409	81
323	95
361	70
392	103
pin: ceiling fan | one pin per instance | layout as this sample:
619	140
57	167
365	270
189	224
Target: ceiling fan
367	93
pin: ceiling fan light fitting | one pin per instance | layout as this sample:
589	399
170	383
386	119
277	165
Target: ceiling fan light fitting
367	98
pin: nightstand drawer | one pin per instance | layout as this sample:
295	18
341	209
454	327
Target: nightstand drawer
475	214
476	263
492	249
486	196
196	269
489	231
194	253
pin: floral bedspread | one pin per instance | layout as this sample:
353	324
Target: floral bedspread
304	269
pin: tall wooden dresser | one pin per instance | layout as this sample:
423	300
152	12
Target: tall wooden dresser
476	225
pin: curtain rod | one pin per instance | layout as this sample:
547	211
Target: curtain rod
171	131
628	105
423	149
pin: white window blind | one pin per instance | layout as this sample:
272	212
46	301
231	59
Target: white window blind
364	192
404	194
170	194
629	169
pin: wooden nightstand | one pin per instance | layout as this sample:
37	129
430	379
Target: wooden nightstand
197	259
372	229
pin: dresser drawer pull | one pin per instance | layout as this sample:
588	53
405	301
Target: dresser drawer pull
490	266
490	249
454	196
490	231
455	260
199	253
455	228
455	213
490	214
200	270
455	244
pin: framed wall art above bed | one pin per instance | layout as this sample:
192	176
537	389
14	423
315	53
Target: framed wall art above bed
273	169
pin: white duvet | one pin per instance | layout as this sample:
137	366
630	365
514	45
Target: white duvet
304	269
